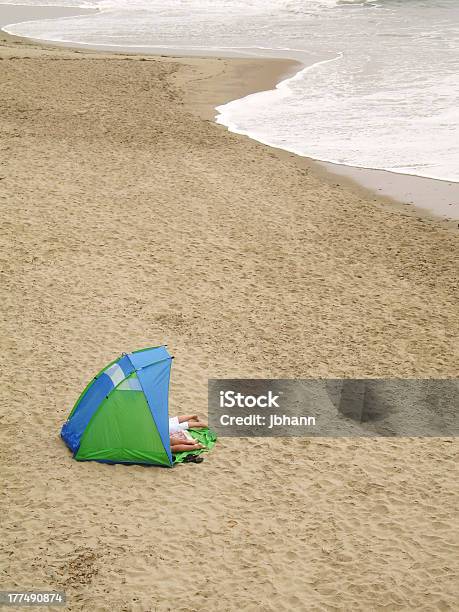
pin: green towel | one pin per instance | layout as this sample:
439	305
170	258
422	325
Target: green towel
203	435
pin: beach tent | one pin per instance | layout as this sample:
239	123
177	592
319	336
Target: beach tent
122	415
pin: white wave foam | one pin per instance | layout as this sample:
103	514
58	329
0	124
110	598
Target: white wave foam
57	3
387	100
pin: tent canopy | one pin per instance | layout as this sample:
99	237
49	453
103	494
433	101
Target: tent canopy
122	416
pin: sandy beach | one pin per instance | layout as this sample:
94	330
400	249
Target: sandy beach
130	219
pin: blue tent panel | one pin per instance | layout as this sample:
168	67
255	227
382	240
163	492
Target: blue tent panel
153	367
154	380
141	359
73	429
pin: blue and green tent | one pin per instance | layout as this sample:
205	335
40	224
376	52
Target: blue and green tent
122	416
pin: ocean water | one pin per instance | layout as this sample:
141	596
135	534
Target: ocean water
379	87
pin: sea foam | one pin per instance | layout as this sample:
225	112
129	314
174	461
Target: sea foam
378	88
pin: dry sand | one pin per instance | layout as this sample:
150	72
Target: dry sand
129	220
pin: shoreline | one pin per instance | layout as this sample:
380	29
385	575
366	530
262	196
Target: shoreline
411	192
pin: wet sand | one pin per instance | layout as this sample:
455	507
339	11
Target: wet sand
438	197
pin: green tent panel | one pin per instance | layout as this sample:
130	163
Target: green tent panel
122	415
122	430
